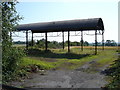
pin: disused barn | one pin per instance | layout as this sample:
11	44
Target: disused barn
92	24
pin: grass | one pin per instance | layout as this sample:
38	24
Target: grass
109	57
38	59
59	59
30	65
30	61
105	59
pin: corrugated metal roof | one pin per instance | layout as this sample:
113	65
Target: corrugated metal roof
68	25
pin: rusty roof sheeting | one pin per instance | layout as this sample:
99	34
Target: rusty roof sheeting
68	25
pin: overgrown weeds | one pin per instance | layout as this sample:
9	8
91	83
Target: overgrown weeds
10	62
59	59
114	73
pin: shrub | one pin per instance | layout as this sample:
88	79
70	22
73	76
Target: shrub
114	73
10	62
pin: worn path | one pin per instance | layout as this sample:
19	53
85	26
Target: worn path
64	79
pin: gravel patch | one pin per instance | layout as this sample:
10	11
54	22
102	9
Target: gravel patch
63	79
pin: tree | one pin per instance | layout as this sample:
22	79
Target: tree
113	43
86	43
10	56
40	43
31	43
110	43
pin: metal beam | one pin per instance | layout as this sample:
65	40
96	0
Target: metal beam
81	40
46	44
68	41
102	40
26	39
63	38
10	36
32	38
95	42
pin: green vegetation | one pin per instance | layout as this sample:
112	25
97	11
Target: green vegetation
15	64
102	60
61	59
11	56
110	43
38	59
54	44
114	73
27	61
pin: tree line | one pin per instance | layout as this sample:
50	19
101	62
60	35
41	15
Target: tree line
55	44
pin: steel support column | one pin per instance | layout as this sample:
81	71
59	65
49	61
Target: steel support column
26	39
102	40
63	38
46	44
32	38
95	42
68	41
10	36
82	40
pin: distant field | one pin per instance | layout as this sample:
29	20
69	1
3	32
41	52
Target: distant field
99	47
19	45
85	47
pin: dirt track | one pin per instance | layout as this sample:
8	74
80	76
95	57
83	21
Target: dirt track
64	79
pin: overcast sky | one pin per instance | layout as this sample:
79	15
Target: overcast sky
42	11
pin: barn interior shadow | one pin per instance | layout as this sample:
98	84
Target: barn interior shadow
50	54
